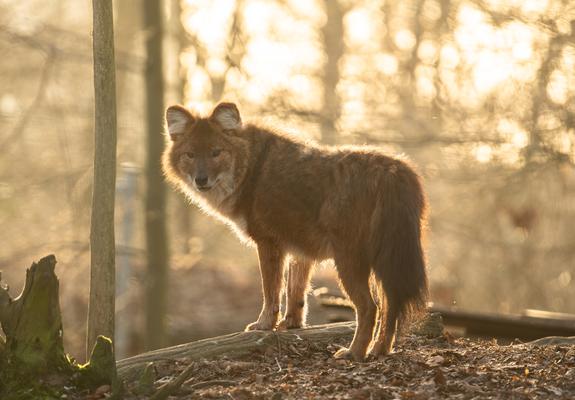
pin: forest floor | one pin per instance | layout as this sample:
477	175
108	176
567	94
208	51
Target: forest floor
421	368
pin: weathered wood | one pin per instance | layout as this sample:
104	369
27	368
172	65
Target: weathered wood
235	345
533	325
509	326
101	370
101	308
155	199
34	346
32	322
552	341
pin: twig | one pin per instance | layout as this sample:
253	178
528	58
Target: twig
166	390
202	385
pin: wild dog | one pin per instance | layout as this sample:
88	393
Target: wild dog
355	205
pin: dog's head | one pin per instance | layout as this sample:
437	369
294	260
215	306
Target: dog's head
204	151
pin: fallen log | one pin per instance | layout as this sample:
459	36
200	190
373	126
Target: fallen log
234	345
532	325
245	343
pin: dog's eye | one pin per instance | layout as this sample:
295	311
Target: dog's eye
216	152
189	155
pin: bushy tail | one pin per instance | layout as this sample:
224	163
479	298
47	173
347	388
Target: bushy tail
398	258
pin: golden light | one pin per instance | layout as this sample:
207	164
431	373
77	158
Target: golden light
258	14
268	61
483	153
425	85
199	82
490	70
209	21
386	63
404	39
216	67
513	133
557	89
308	90
427	51
532	8
360	28
311	10
449	56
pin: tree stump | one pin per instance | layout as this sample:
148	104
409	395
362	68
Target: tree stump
33	352
32	322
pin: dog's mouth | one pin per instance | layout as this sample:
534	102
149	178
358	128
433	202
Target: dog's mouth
204	188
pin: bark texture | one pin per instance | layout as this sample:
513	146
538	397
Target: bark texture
33	354
234	345
102	243
32	322
156	236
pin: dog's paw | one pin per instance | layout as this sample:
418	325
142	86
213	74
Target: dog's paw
379	352
259	326
290	322
347	354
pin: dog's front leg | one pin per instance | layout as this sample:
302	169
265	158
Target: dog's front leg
271	258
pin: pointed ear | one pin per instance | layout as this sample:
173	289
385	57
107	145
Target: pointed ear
227	116
179	119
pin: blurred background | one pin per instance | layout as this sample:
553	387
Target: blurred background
480	94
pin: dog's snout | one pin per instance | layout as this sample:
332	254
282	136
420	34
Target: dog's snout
201	181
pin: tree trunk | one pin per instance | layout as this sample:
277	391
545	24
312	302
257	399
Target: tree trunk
156	237
101	307
175	78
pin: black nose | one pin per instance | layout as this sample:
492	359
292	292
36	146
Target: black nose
201	181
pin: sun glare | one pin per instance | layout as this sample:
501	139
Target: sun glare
490	70
404	39
386	63
557	89
493	53
361	29
483	153
208	20
512	132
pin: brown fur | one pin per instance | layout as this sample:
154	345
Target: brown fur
355	205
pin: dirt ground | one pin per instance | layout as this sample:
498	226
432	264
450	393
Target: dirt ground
420	368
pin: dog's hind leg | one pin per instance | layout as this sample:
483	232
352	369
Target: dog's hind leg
354	276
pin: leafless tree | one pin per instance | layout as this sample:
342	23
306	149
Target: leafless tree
102	274
156	236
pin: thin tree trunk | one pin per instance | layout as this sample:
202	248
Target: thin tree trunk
156	236
129	93
102	271
175	81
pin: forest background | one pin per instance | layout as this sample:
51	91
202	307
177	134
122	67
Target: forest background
480	94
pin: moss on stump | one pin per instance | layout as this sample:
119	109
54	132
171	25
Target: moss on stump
33	364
